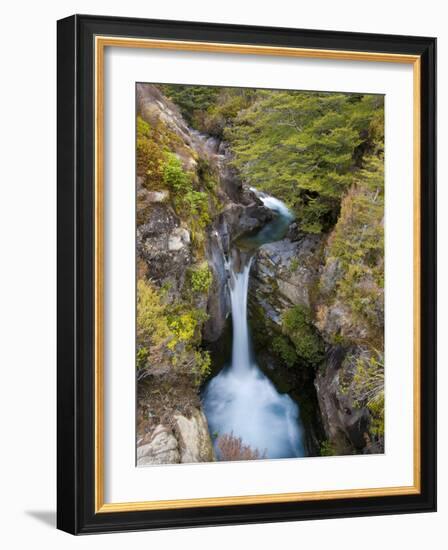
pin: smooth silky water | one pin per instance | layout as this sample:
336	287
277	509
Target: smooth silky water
241	400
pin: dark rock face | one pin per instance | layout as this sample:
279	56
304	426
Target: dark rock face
346	425
164	246
154	107
284	274
218	305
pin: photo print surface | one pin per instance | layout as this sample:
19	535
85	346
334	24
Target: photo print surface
260	274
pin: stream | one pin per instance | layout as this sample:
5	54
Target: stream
241	400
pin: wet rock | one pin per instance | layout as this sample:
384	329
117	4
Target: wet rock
241	219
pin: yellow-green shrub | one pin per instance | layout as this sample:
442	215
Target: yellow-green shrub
152	327
201	278
150	156
183	327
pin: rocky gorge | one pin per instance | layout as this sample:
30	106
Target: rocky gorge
314	344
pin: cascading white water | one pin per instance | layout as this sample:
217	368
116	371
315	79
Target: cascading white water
273	204
241	400
239	283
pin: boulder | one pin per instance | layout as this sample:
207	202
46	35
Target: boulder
194	439
158	196
162	448
178	239
285	274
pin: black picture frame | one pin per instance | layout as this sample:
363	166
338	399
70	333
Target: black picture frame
76	271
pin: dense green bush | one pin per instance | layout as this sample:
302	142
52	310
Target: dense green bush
297	325
201	278
190	204
170	333
153	333
327	449
202	367
141	357
207	175
197	205
282	346
174	176
152	328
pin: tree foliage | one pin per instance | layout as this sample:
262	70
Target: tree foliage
305	148
191	99
209	109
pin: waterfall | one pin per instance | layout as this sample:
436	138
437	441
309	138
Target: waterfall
239	283
241	400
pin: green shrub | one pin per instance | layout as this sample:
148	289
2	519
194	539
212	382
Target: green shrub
174	176
297	325
183	327
150	156
152	328
376	408
368	387
294	265
201	278
202	366
207	175
141	357
327	449
282	346
190	204
196	203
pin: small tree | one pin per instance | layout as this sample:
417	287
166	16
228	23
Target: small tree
231	448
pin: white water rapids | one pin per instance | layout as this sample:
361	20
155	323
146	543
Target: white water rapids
241	400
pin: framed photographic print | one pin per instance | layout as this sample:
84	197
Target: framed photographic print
246	274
